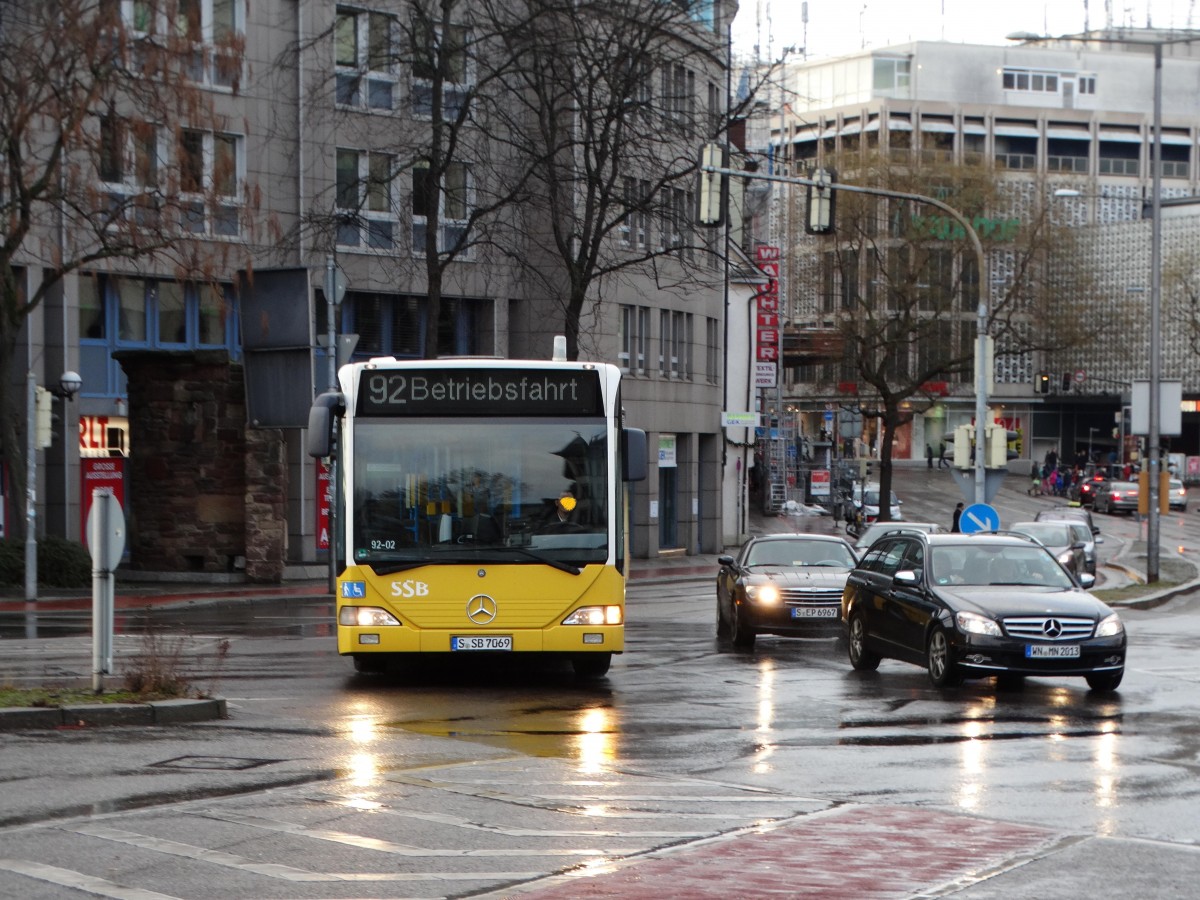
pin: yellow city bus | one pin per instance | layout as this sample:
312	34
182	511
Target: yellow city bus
480	508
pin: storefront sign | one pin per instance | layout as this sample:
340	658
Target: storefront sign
324	503
99	472
767	308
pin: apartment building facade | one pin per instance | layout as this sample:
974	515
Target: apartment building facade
323	152
1066	125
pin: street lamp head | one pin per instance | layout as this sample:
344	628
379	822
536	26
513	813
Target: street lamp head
1024	36
69	384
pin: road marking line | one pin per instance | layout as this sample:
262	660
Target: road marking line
370	843
102	887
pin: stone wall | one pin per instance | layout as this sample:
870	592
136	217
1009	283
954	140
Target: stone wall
206	493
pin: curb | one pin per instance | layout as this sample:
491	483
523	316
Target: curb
155	712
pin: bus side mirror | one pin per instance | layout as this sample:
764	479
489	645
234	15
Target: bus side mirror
633	454
320	422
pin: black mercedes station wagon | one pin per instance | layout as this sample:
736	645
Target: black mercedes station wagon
971	606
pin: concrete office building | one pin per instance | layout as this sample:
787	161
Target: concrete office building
1051	117
318	158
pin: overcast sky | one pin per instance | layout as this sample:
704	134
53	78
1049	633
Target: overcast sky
836	27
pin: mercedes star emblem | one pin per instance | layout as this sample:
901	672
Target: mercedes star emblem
481	609
1053	628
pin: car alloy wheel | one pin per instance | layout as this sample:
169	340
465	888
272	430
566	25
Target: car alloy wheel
943	671
861	658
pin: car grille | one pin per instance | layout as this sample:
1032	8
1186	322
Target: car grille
812	596
1049	628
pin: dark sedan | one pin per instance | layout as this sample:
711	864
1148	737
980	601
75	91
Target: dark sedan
970	606
789	584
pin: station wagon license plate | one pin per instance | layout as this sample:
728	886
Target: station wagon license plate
481	642
1052	651
815	612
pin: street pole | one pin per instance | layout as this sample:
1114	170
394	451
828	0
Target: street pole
331	358
1153	458
30	487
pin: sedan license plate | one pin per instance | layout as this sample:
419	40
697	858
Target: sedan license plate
481	642
815	612
1052	651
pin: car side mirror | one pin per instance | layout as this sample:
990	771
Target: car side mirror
725	560
908	577
1087	580
1099	540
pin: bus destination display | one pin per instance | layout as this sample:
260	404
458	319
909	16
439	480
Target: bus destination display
468	392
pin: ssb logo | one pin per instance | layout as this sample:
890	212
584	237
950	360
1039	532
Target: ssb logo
410	588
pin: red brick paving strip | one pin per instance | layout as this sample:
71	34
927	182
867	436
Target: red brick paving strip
856	852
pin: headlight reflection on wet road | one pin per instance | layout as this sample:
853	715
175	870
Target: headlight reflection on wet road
765	724
596	742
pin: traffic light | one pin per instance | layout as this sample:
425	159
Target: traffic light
818	216
963	435
44	433
1066	382
998	439
712	203
1043	383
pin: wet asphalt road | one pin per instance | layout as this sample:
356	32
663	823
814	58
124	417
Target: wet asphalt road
692	770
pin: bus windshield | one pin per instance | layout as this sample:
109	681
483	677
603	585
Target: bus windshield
438	490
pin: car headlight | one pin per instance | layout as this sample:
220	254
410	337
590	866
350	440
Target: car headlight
973	623
1109	626
366	616
595	615
1065	557
766	594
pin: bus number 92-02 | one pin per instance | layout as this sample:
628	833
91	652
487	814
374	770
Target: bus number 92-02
382	545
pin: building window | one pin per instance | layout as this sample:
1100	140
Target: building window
128	166
365	59
1033	80
1086	84
664	343
212	27
679	96
452	203
712	350
444	50
210	178
636	227
676	232
633	329
366	213
394	325
892	75
117	312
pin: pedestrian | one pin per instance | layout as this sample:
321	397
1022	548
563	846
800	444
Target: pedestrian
942	461
956	525
928	456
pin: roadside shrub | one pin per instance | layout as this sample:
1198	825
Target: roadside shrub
61	563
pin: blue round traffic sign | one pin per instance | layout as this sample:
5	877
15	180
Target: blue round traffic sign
979	517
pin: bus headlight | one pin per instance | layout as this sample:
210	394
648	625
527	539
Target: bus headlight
595	615
366	616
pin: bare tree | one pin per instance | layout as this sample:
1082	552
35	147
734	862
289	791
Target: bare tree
902	282
611	100
90	105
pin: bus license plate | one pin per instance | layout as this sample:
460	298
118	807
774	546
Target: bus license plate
1052	651
481	642
816	612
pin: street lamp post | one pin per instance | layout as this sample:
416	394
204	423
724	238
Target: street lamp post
1153	426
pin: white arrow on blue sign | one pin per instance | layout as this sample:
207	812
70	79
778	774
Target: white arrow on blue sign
979	517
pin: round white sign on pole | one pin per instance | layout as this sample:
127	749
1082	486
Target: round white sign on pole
106	529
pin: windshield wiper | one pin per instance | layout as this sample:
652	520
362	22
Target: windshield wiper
393	568
545	560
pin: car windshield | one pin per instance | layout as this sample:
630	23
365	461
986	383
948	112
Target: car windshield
1029	566
800	553
1049	534
871	498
